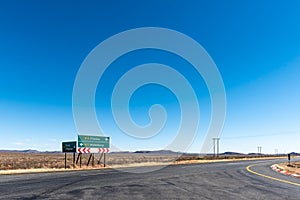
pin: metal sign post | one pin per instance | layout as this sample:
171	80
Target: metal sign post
93	160
100	158
89	160
73	159
65	160
80	159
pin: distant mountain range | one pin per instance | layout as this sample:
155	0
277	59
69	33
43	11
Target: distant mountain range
27	151
158	152
231	153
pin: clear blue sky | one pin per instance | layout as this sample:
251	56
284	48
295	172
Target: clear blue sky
255	45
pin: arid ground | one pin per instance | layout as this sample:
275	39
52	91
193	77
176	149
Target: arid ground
18	160
293	167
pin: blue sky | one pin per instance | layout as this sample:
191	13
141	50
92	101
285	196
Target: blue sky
255	45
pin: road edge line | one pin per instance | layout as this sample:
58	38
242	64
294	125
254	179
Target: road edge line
270	177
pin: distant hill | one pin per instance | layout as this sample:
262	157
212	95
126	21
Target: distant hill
229	153
19	151
252	154
160	152
27	151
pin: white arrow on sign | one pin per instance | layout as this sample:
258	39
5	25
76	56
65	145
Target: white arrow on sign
81	144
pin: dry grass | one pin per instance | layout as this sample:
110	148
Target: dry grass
121	159
10	161
16	162
293	167
31	160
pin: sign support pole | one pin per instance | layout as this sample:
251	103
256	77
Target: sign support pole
93	161
104	158
89	160
74	160
80	159
65	160
77	158
100	158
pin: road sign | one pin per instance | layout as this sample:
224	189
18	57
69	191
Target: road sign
69	146
92	150
93	144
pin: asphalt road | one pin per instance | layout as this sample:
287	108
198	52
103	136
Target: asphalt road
226	180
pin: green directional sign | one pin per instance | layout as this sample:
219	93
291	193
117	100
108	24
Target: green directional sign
69	146
93	141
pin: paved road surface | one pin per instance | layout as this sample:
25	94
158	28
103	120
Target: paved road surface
227	180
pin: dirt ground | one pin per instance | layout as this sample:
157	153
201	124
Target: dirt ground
16	162
293	167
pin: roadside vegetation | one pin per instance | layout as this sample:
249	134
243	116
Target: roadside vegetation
18	160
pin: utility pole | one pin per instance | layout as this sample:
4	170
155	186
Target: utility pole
216	142
218	146
214	146
259	149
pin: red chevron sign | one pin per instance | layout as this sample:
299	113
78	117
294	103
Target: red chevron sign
103	150
92	150
84	150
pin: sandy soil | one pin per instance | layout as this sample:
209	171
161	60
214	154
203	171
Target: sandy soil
12	163
294	167
16	162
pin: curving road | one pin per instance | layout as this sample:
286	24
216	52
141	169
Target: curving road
226	180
